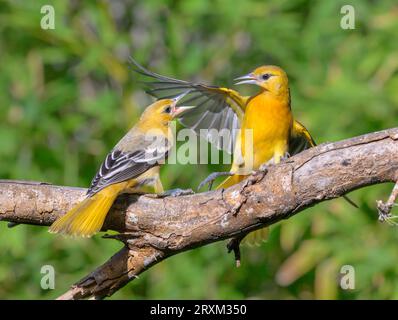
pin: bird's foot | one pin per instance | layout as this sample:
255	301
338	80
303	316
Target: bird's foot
170	193
176	193
210	179
263	168
266	165
285	157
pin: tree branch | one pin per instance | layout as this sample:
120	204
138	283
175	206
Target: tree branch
385	208
153	229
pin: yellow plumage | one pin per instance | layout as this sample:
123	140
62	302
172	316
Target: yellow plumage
88	216
131	166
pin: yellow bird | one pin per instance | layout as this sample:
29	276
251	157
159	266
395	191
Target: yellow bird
131	166
267	115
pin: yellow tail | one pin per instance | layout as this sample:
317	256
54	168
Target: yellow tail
255	237
230	181
87	217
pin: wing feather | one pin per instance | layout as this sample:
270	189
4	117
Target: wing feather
123	164
300	139
216	107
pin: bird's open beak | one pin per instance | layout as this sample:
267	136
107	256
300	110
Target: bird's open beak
248	78
179	97
180	110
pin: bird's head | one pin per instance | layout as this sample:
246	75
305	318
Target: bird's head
270	78
165	110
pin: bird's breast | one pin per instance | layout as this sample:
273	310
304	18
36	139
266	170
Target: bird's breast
269	121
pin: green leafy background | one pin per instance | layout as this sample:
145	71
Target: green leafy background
68	95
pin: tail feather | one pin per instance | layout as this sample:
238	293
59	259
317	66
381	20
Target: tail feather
87	217
256	238
230	181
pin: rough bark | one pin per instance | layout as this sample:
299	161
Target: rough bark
156	228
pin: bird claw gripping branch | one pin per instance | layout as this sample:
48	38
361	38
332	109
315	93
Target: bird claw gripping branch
213	176
176	193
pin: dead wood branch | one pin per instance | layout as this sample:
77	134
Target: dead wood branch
153	229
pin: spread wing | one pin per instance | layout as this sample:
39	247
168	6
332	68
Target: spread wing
300	139
217	109
124	163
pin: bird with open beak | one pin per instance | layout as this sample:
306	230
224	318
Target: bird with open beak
131	166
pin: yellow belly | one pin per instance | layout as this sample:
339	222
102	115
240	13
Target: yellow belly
269	123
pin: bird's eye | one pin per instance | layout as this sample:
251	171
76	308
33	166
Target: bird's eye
265	76
167	109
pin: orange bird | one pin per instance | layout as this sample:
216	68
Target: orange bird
267	116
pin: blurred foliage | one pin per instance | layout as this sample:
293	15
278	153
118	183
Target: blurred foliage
68	96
